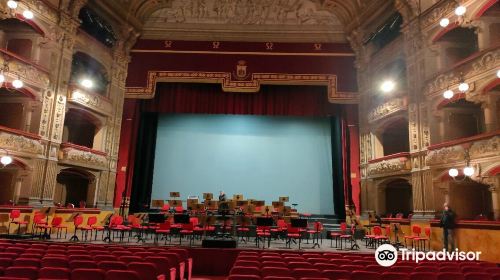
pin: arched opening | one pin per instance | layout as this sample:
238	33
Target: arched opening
461	119
80	128
457	44
97	27
86	67
395	137
398	198
471	200
10	183
18	110
19	37
74	187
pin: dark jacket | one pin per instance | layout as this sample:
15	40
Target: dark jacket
448	219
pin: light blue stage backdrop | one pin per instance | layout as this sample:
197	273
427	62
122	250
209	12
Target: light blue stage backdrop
260	157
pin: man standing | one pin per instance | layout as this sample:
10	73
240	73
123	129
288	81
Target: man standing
448	224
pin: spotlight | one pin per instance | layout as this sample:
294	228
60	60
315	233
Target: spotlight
87	83
498	74
460	10
387	86
2	78
444	22
6	160
17	83
28	14
453	172
463	87
12	4
448	94
468	171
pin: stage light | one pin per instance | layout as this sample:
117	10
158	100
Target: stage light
12	4
453	172
444	22
463	87
6	160
448	94
2	78
87	83
498	73
17	83
28	14
387	86
460	10
469	171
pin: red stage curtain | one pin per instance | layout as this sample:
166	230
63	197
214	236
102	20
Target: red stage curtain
270	100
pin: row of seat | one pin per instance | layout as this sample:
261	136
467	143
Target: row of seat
256	265
133	271
37	254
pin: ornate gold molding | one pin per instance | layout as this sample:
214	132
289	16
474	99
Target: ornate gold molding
20	143
389	167
445	155
72	156
251	85
92	101
384	110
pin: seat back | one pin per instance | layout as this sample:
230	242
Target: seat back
14	214
92	220
112	265
87	273
146	271
78	220
56	221
28	272
54	273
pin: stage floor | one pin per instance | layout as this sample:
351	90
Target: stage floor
275	244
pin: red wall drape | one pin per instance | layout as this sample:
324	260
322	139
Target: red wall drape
184	98
270	100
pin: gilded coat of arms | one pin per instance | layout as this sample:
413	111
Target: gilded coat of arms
241	70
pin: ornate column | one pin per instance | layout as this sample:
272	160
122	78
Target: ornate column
490	113
494	185
17	190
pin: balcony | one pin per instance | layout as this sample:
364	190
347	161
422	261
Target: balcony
480	146
29	72
394	164
76	155
90	100
477	65
20	141
387	109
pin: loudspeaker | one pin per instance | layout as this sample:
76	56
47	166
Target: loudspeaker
218	243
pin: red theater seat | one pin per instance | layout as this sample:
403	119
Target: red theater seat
304	272
82	264
247	263
245	277
129	259
22	272
145	270
276	271
26	262
477	276
54	273
365	275
336	274
112	265
122	275
54	262
87	274
423	276
242	270
395	276
450	276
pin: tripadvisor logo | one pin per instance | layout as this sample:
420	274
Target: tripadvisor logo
387	255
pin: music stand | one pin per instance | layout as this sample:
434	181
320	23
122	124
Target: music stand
157	203
283	199
267	209
277	204
237	197
397	228
174	203
211	204
299	223
242	203
156	218
208	196
181	219
265	223
175	194
191	203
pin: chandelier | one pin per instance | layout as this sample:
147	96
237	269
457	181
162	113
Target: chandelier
467	171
